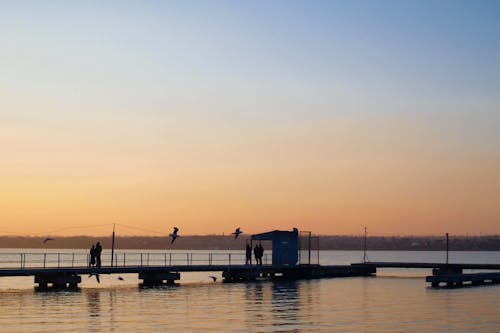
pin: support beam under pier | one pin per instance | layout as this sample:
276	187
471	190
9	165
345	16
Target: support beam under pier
57	281
159	278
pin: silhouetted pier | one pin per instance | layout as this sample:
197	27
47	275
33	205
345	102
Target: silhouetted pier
64	270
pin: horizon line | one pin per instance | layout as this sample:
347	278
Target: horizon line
230	235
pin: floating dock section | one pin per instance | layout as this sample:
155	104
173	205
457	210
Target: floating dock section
252	273
448	275
454	278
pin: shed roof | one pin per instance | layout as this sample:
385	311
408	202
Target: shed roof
270	235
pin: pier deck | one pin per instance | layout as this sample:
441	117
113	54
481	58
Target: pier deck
299	270
64	270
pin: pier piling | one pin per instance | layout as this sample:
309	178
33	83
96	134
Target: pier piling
57	281
159	278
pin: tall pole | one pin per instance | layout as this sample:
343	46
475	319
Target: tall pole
364	249
113	245
309	259
318	250
447	247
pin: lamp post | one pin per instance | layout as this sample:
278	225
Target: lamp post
364	249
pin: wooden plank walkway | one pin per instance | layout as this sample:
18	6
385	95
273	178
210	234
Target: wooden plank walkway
299	271
114	270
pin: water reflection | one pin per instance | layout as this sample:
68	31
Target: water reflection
94	309
285	306
254	295
275	304
148	287
111	309
56	290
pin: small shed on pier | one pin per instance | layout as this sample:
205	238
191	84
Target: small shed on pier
285	246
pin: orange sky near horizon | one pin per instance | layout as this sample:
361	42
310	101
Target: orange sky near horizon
330	177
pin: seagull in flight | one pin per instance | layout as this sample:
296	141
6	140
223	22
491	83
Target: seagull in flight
237	232
174	235
213	278
96	277
47	239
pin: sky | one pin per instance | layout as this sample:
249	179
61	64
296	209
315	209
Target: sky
327	116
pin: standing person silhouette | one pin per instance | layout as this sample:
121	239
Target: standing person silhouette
98	250
92	256
261	253
248	255
256	253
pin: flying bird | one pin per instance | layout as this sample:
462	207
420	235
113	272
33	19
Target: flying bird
174	235
237	232
96	277
213	278
120	278
47	239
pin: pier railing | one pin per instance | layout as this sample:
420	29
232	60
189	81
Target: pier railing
124	259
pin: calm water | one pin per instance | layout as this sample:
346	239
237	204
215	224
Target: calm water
394	301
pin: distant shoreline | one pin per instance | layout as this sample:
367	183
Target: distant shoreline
212	242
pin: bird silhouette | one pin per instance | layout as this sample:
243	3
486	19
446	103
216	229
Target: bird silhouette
174	235
47	239
96	277
213	278
237	232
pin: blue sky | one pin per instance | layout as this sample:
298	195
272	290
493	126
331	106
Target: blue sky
439	51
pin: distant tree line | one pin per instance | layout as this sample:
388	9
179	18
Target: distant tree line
411	243
218	242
